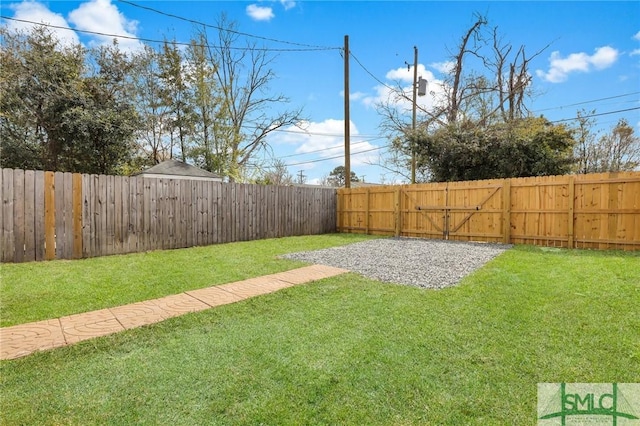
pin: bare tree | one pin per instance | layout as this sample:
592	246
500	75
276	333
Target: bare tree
275	174
584	152
502	89
249	112
616	151
470	44
513	80
486	84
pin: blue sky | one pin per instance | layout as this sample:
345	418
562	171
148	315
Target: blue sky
592	62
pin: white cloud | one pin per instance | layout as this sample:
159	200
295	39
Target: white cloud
37	12
443	67
405	74
401	97
314	181
635	51
94	15
324	140
288	4
560	68
259	13
354	96
604	57
104	17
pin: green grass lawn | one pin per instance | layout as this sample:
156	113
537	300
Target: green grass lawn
42	290
349	350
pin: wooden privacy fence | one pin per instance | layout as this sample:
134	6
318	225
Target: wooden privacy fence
577	211
47	215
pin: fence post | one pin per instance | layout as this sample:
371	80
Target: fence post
6	200
571	216
397	213
506	211
77	215
49	215
339	201
367	208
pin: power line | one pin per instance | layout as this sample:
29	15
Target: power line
399	91
325	149
370	73
587	102
148	40
193	21
304	132
388	146
338	156
595	115
535	111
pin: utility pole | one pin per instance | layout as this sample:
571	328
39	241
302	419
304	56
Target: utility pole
413	122
301	177
347	119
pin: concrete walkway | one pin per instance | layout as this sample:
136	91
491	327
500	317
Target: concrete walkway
24	339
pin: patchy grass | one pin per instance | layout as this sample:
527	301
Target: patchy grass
41	290
350	350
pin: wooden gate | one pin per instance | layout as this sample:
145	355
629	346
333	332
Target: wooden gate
455	211
600	211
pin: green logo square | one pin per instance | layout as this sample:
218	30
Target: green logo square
573	404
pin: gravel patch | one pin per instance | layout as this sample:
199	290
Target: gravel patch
411	261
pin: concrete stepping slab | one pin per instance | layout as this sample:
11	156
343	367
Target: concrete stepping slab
179	304
255	287
89	325
139	314
214	296
23	339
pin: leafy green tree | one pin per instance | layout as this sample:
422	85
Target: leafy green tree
40	81
59	114
153	139
178	93
519	148
102	126
337	177
206	152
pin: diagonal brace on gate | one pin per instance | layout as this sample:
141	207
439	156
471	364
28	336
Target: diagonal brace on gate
472	210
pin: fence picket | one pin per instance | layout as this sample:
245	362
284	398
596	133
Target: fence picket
8	241
76	218
117	215
18	215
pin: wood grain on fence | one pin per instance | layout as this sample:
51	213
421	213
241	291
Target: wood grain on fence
578	211
47	215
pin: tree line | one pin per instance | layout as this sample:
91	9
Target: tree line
102	110
481	126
